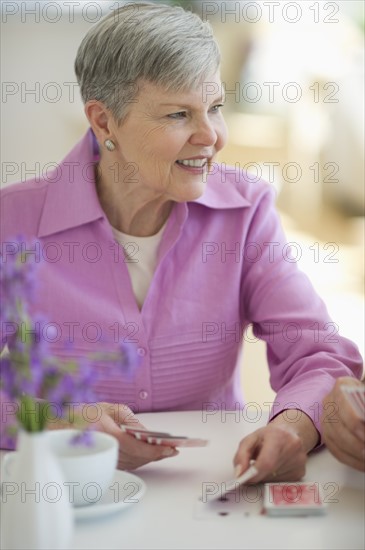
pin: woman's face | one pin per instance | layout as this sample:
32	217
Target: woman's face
168	138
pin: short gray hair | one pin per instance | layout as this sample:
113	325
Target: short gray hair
165	45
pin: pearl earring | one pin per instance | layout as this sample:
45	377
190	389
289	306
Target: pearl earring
109	144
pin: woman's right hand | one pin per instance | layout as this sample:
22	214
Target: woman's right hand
343	431
107	417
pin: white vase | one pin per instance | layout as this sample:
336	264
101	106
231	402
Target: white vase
36	512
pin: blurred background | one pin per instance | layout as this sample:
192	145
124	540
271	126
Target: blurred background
294	79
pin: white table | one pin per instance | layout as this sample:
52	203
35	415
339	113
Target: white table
170	515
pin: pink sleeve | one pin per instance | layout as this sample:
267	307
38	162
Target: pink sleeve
304	348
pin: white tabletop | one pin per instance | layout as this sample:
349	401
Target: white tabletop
171	516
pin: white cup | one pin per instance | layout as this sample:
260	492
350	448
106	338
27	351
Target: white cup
87	470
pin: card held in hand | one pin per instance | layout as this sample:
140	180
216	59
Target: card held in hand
356	397
163	438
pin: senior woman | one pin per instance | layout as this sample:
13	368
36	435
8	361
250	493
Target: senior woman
169	250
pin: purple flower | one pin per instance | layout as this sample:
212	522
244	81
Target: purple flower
18	277
29	370
129	358
83	438
8	426
8	377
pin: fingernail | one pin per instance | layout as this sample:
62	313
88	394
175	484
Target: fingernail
169	451
238	470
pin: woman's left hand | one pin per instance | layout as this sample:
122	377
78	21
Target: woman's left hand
279	449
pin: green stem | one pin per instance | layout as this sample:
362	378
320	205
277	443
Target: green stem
29	416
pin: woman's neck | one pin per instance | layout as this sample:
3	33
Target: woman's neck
130	209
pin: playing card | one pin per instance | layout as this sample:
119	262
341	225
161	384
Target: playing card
233	506
163	438
356	396
142	432
176	441
232	484
293	499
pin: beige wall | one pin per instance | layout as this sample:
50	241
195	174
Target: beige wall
34	128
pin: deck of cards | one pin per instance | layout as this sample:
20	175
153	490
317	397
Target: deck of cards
163	438
293	499
356	397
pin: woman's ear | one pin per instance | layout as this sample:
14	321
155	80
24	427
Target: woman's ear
100	119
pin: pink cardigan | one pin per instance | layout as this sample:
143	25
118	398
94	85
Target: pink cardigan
223	263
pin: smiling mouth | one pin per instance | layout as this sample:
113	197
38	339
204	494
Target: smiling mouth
194	163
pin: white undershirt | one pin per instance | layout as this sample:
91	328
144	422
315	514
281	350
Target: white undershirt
141	259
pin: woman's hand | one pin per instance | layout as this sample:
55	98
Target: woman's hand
132	452
107	417
279	449
343	431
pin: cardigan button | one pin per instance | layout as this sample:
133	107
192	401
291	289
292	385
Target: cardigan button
143	394
141	352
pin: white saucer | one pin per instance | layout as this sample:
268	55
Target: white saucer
124	490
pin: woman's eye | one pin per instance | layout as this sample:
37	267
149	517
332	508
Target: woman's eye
180	114
184	114
217	108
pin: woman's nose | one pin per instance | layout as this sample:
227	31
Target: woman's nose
204	133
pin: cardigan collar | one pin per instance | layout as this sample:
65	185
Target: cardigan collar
72	200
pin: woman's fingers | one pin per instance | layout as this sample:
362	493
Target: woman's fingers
344	446
278	454
343	431
133	453
121	414
347	457
247	451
